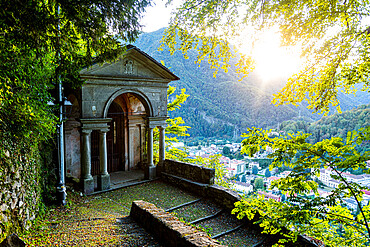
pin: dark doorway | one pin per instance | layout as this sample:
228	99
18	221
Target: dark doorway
115	138
115	142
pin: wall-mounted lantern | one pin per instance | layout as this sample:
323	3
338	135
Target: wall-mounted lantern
93	109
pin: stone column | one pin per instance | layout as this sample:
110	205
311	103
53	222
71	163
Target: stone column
162	145
86	178
140	144
150	171
131	145
103	178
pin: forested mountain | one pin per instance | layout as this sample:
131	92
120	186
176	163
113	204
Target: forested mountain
336	125
225	106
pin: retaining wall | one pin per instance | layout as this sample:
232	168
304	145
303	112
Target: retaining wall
181	175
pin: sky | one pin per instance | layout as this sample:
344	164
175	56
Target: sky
269	54
279	62
156	16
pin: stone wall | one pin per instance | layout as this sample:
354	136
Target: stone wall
188	171
20	192
180	174
199	180
167	228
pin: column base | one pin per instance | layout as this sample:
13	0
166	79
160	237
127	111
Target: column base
159	169
150	172
87	185
103	182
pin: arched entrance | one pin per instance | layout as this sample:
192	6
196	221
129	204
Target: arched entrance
116	139
125	138
135	85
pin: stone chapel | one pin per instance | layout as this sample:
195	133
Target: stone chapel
110	127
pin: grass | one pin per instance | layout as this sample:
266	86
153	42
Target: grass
195	211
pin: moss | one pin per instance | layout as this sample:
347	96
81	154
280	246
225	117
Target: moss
21	185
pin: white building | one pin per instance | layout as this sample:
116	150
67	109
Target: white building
238	165
325	178
242	187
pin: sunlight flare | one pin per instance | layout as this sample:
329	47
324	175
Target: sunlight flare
273	61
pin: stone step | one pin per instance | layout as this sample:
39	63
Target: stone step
220	223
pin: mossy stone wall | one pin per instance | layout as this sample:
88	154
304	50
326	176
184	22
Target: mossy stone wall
23	178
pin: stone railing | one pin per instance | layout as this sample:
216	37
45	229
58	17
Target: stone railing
199	180
195	173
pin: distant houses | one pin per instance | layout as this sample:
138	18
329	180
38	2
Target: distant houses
235	167
326	178
242	171
269	195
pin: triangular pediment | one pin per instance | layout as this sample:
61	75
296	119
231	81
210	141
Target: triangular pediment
133	64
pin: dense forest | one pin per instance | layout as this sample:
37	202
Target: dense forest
336	125
225	106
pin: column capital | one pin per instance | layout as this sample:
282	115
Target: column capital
86	131
156	121
105	130
95	123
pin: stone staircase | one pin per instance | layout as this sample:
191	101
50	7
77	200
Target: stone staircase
218	223
97	225
102	219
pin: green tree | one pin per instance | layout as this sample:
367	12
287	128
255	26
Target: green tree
267	173
335	40
333	36
214	162
41	42
174	129
226	151
283	197
318	215
255	170
47	39
258	183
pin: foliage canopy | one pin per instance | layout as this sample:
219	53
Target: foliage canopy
41	42
323	217
333	37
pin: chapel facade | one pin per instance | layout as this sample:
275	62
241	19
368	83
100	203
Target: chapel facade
110	127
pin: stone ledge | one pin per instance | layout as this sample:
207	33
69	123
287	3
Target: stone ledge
188	171
186	184
167	229
223	196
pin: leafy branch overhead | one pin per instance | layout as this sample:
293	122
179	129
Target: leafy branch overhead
333	37
43	39
321	217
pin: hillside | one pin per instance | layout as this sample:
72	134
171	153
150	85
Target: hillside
224	106
336	125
